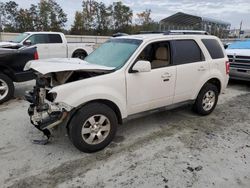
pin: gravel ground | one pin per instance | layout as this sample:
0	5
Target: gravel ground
174	148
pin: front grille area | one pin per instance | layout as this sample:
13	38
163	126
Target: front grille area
242	62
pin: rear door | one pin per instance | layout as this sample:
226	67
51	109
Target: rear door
57	49
191	68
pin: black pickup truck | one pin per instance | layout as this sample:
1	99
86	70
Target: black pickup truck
12	62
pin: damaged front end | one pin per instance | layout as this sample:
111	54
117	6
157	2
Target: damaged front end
44	113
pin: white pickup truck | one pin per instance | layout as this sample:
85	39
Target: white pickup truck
239	58
51	45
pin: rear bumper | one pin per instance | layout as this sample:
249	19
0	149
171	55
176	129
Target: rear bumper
24	76
224	85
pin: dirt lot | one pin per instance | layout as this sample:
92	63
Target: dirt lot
173	148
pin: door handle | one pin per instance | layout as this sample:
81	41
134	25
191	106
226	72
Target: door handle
202	68
166	77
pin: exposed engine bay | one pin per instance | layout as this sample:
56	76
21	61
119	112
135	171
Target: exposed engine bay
59	78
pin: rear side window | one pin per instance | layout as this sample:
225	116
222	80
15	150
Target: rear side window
55	38
186	51
213	48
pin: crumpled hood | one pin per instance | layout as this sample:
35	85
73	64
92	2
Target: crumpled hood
46	66
239	52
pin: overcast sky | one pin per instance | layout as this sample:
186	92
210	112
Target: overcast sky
232	11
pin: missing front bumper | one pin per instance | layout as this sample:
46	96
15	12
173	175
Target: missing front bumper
44	120
45	115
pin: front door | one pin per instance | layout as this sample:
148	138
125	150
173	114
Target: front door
57	49
150	90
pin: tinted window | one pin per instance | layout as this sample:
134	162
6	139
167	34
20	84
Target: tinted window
213	48
38	39
55	38
186	51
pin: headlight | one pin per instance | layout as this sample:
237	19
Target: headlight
51	96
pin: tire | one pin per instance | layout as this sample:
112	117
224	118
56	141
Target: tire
206	100
6	88
90	121
79	54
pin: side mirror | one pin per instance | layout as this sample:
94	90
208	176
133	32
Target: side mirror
142	66
27	42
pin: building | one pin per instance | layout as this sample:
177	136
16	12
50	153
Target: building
183	21
237	33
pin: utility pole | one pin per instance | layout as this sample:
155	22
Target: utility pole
0	28
240	28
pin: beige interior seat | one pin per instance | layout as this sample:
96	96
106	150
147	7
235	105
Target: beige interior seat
162	59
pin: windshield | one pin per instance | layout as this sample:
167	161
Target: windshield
114	53
20	37
240	45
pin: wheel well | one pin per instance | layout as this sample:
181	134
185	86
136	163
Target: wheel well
215	82
110	104
7	72
80	50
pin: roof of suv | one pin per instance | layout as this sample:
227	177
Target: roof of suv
147	37
43	32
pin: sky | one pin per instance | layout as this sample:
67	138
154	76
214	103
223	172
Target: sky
232	11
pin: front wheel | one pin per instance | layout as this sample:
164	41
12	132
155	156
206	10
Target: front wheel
6	88
206	100
93	127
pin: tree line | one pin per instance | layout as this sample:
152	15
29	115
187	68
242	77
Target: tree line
94	18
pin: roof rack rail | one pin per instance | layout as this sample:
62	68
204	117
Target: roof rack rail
119	34
186	32
151	32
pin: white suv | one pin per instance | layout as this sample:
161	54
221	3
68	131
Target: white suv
125	76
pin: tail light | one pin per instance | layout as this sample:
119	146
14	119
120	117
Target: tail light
36	55
227	67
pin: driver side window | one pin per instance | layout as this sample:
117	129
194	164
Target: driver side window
158	54
38	39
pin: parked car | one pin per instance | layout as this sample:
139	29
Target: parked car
239	57
12	62
125	76
51	45
226	45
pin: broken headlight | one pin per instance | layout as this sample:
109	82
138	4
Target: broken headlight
51	96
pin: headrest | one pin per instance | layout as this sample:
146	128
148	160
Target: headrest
161	53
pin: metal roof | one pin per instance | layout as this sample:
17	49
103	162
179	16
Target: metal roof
181	18
215	21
